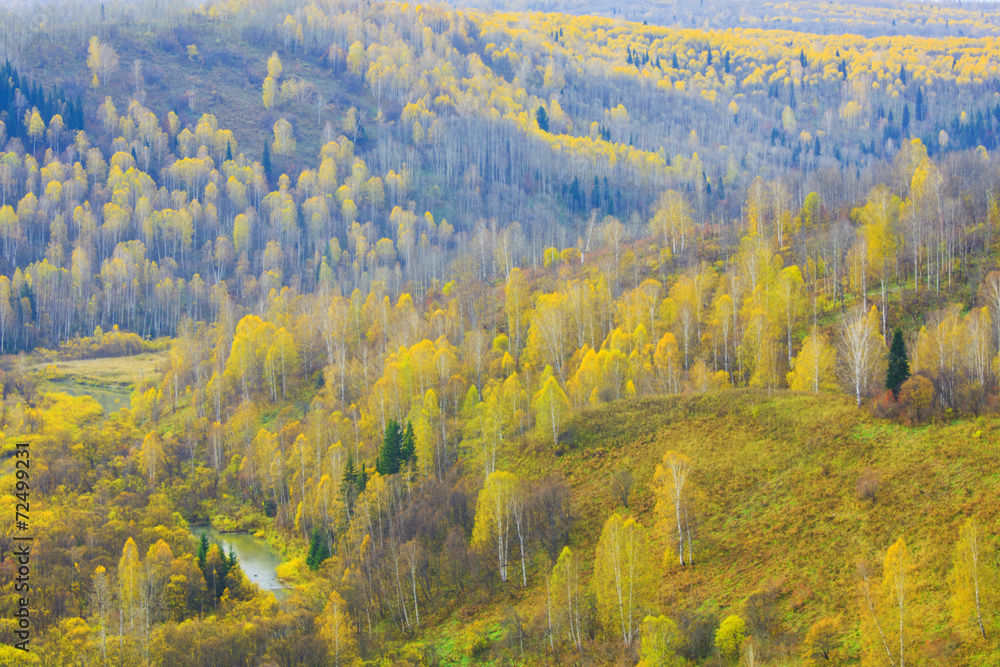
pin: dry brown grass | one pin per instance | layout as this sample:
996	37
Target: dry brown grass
109	371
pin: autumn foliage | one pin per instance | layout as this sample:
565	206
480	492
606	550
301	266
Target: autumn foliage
432	291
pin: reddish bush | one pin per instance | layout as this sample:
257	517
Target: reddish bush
886	407
869	483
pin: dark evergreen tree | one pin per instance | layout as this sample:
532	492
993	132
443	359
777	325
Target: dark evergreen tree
349	483
574	193
675	63
319	550
202	550
899	364
313	548
906	117
919	110
902	74
543	119
221	574
802	58
388	456
270	507
265	161
408	445
229	151
350	474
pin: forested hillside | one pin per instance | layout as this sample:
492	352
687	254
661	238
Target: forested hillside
525	338
869	18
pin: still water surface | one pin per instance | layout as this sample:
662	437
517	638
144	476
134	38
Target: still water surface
257	559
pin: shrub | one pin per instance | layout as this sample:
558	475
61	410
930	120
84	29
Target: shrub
887	407
916	396
115	343
621	485
868	483
480	646
698	632
763	617
729	637
270	508
822	642
166	41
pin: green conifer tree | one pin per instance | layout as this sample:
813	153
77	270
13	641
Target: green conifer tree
265	161
319	551
350	474
222	573
408	445
543	119
202	550
899	364
388	456
313	549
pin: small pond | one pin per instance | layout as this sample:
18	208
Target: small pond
256	558
112	400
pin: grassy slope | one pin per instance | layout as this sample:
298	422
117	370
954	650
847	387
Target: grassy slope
777	484
112	372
